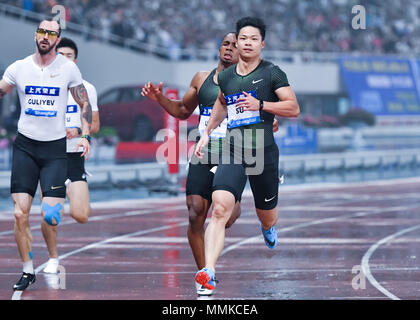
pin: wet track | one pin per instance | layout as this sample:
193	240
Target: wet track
341	241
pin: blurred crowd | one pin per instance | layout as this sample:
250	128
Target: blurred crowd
304	25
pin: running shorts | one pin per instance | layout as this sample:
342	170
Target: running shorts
76	167
232	177
43	161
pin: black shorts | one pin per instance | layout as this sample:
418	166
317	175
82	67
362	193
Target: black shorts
43	161
76	167
232	177
200	180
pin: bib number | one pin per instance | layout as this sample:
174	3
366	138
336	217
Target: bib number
219	132
73	117
237	116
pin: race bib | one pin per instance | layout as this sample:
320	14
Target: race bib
73	117
41	101
219	132
236	115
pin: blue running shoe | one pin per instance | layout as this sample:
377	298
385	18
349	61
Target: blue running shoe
206	278
270	237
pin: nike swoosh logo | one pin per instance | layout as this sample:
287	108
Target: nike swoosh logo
271	243
53	188
268	200
254	82
54	75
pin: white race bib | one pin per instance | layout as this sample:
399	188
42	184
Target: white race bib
219	132
236	115
73	117
41	101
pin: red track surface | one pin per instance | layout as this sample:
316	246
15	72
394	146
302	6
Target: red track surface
139	250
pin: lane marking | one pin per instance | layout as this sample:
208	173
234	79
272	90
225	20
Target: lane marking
315	222
283	230
107	216
228	249
365	260
17	294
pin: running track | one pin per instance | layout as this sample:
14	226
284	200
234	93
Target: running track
328	234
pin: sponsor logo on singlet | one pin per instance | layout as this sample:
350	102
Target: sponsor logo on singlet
72	108
42	91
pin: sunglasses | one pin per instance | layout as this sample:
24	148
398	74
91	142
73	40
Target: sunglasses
51	34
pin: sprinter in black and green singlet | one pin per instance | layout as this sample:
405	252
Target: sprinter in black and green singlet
252	93
203	92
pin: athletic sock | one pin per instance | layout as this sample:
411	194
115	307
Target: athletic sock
28	267
53	261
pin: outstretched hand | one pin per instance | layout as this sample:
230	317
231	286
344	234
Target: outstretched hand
152	91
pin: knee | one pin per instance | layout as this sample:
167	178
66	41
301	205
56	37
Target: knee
52	214
82	215
21	216
81	219
196	211
235	215
220	212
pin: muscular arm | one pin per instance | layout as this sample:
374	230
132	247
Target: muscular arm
287	107
96	124
80	95
5	88
180	109
218	113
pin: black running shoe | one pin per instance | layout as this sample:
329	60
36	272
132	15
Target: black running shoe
24	281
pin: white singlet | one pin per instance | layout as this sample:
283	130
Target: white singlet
43	95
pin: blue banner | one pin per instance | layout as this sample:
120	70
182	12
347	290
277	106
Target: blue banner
382	85
298	140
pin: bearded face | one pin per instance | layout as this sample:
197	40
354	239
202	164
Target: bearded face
45	46
47	36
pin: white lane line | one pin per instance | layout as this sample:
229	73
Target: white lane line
17	294
118	238
180	207
190	271
315	222
365	260
108	216
308	240
318	221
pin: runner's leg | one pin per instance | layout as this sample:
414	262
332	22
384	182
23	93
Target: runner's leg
78	195
197	211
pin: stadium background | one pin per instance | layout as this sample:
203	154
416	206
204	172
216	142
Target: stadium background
357	88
